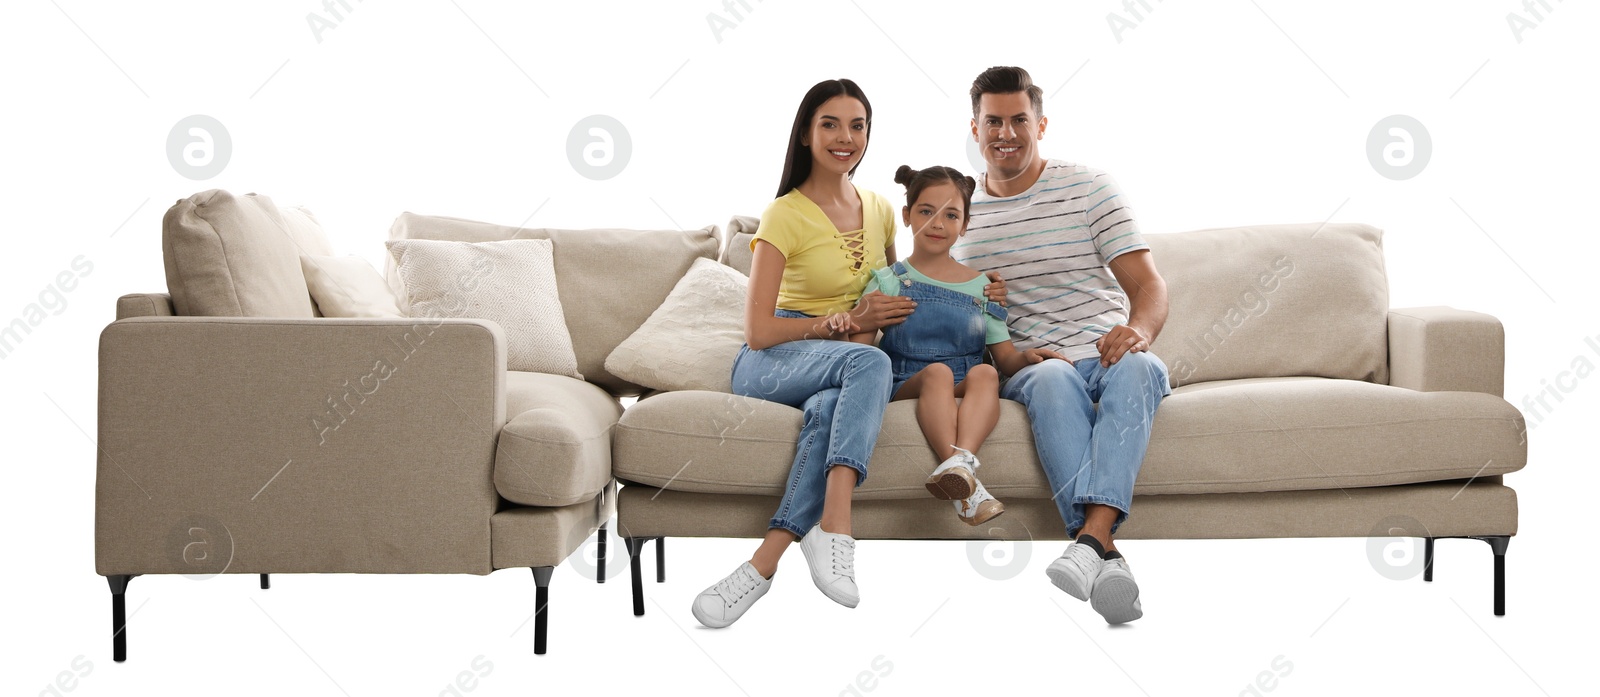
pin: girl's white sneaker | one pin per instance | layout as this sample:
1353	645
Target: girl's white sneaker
955	478
979	508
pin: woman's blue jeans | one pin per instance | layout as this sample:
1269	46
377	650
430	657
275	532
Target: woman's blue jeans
843	388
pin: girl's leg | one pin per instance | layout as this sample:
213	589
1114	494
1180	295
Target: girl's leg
934	389
980	407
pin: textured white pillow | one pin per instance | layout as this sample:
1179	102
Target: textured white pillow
511	282
690	341
347	287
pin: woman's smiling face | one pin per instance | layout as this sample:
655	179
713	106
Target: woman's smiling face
838	135
937	219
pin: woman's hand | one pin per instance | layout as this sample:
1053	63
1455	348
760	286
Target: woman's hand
841	325
875	311
996	290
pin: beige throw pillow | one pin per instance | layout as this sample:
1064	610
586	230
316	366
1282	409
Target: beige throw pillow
690	341
512	283
347	287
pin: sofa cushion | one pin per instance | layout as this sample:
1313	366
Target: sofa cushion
510	282
690	342
347	287
1274	300
238	256
555	448
613	279
1265	434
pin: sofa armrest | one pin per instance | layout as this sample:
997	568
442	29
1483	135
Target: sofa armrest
1435	349
254	445
144	305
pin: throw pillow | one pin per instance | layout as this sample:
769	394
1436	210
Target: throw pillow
690	341
347	287
511	282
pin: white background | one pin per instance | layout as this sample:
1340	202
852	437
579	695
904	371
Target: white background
1210	114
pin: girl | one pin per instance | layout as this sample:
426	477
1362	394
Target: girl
937	352
811	258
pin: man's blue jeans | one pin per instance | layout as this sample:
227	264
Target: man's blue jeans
1088	456
843	388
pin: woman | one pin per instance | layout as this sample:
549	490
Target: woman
812	255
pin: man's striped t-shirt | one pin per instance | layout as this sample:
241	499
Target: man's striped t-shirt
1052	244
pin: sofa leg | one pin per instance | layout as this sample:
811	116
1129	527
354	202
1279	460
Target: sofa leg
1499	543
1427	559
541	606
635	546
266	581
600	555
661	560
119	619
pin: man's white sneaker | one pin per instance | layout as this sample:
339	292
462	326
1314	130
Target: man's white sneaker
1116	595
726	601
832	559
979	508
955	478
1076	570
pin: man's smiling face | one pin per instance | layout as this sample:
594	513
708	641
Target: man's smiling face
1008	133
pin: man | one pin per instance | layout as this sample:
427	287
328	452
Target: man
1081	282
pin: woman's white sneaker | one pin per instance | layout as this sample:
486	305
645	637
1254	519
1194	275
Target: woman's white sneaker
727	600
832	559
955	478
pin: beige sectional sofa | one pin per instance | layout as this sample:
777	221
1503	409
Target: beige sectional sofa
240	431
1303	406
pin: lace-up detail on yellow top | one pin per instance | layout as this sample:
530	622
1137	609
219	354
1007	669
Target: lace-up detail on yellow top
825	269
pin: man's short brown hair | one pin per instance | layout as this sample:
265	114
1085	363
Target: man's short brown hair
1006	80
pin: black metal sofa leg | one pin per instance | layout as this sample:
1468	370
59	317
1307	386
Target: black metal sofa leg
1499	543
600	555
266	581
661	560
635	546
119	616
541	606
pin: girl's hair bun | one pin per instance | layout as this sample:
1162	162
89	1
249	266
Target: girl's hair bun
904	175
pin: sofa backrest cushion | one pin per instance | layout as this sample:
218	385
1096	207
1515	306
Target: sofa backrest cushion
238	256
1274	300
609	280
736	251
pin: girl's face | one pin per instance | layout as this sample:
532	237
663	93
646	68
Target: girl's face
838	135
936	219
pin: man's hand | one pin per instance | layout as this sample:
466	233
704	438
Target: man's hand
1040	355
875	311
996	290
1120	340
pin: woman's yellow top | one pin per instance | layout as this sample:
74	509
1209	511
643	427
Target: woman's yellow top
825	269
